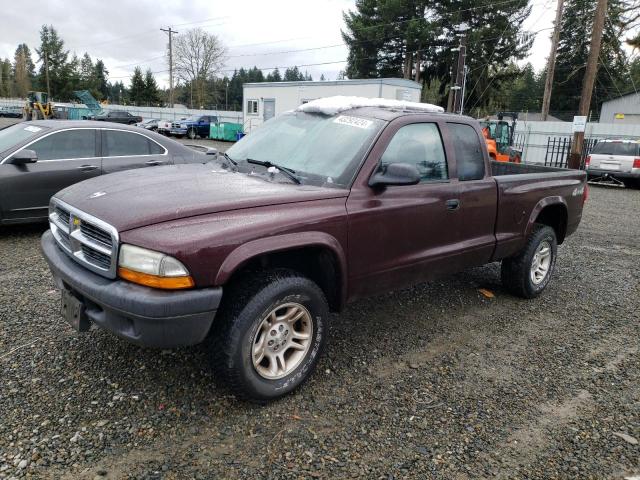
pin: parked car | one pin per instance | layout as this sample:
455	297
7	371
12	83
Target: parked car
117	116
192	127
41	157
317	208
165	125
149	124
615	159
11	112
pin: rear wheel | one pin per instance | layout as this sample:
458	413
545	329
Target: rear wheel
269	335
528	273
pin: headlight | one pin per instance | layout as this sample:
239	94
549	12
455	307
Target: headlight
153	269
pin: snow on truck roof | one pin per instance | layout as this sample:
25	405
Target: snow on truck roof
337	104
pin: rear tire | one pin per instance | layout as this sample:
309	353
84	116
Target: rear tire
529	272
279	315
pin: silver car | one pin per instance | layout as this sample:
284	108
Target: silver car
615	161
39	158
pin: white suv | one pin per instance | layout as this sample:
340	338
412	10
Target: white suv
615	159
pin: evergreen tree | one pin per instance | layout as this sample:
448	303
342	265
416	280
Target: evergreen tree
322	79
151	95
274	76
23	70
5	78
137	89
293	74
573	50
415	39
87	72
53	54
100	75
524	93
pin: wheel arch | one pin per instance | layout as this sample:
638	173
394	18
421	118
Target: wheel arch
316	255
553	212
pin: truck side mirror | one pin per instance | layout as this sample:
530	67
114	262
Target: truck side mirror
23	157
395	174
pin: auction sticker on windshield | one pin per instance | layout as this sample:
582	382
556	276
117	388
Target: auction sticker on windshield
353	121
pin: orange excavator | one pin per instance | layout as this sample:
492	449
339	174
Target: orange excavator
499	137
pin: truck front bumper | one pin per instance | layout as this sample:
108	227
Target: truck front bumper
178	131
139	314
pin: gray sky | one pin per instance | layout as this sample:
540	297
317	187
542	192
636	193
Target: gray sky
262	33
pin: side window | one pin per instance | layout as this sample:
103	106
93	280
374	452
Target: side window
66	145
469	158
419	144
125	144
252	107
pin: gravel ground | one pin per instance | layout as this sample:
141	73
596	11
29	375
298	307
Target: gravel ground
436	381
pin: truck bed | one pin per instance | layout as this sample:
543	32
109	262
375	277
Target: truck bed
507	168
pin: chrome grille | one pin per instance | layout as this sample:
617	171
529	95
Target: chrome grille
86	239
96	233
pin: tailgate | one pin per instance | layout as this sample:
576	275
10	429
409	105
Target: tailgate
612	163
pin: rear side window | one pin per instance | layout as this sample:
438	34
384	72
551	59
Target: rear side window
616	148
419	144
66	145
469	158
126	144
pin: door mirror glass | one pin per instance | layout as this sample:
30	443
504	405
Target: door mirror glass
395	174
23	157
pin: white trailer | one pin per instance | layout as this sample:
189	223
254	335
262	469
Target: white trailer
262	101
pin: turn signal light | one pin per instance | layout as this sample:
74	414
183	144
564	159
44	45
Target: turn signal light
154	281
587	161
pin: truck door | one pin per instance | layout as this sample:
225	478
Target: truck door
401	235
478	196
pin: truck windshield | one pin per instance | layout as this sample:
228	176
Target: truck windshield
16	134
321	150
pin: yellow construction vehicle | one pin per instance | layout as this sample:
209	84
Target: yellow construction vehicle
38	107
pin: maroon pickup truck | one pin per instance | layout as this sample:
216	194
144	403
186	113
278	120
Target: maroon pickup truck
314	209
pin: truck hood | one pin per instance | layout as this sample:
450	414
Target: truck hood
146	196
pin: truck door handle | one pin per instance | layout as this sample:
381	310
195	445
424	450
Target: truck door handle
87	168
153	163
453	204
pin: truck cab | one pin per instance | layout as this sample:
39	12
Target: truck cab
193	127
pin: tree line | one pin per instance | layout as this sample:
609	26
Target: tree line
418	39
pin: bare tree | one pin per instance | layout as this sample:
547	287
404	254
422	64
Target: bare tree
197	57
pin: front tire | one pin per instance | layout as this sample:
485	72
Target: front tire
269	335
192	134
529	272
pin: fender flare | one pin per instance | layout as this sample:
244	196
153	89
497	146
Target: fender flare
541	205
280	243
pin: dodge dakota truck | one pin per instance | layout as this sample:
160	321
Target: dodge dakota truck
340	199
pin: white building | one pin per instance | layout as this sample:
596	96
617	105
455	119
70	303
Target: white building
622	110
261	101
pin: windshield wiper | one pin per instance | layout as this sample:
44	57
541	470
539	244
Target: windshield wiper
287	171
224	154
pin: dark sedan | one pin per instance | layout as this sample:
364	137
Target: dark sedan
39	158
118	116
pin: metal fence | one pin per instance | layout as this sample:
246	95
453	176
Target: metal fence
559	148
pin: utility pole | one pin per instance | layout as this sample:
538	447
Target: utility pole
551	64
170	33
464	87
589	80
451	90
46	73
462	53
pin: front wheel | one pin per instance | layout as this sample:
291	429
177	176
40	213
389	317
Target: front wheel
528	273
269	335
192	134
